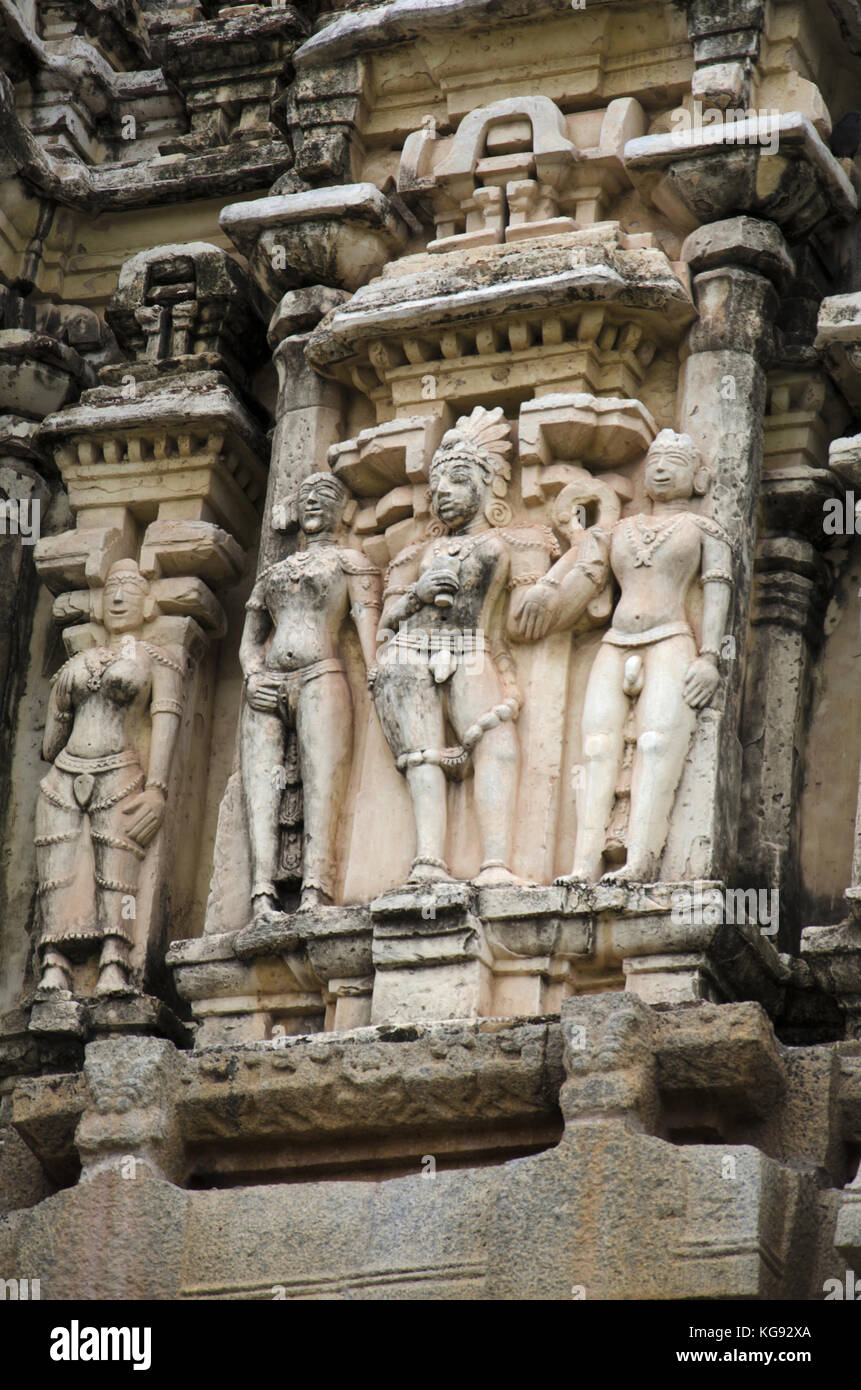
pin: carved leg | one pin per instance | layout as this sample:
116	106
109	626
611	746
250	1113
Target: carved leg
665	723
262	755
496	762
428	791
409	705
324	724
604	712
59	822
117	863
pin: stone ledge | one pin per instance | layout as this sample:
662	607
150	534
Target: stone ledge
377	1099
450	950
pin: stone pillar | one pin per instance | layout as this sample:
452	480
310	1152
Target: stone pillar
130	1111
737	265
726	41
24	499
38	375
308	413
833	952
791	590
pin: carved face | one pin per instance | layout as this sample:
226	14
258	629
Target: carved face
123	601
320	508
457	490
669	475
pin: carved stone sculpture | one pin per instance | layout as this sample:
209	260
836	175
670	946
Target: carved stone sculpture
445	660
649	653
99	700
295	680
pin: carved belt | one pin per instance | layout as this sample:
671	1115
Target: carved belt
441	650
291	681
69	762
85	770
652	634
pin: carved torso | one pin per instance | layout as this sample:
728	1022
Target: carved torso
307	598
107	689
654	559
480	561
486	564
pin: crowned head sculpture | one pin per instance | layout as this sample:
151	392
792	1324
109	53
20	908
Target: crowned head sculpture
471	470
675	468
321	501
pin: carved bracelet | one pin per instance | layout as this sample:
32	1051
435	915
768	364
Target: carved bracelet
166	707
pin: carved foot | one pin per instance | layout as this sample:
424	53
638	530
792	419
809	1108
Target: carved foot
630	873
53	978
582	875
313	897
266	911
56	972
112	980
427	870
494	874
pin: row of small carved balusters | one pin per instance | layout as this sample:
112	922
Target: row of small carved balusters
135	449
519	335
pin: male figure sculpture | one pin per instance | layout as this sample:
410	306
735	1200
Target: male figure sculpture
442	614
294	675
649	652
97	700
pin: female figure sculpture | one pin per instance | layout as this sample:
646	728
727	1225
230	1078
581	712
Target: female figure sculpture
98	699
295	678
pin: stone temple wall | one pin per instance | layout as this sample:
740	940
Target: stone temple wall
429	748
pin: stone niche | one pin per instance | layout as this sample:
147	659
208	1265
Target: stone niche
164	466
556	345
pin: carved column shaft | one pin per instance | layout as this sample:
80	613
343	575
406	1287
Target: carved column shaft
308	422
791	590
735	265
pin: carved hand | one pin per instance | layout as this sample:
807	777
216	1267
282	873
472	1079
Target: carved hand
262	691
146	813
433	582
701	682
536	612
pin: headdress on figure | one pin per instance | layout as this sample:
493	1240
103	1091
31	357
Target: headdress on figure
328	483
482	438
129	572
682	446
